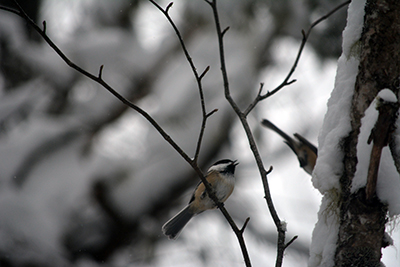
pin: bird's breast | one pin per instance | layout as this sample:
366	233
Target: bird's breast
224	188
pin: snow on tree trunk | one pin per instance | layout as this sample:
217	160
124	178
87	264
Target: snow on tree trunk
351	224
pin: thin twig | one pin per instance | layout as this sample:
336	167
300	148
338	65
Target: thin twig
101	72
291	241
224	31
204	72
270	169
212	112
245	225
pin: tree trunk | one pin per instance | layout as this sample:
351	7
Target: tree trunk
362	221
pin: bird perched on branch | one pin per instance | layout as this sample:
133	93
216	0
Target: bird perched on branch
305	151
221	178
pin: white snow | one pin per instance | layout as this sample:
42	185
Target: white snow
336	125
388	184
323	248
387	95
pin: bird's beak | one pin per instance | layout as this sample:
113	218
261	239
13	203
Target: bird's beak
235	163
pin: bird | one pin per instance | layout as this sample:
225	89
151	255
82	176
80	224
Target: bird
221	178
305	151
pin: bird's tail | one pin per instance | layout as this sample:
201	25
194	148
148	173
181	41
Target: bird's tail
288	140
174	226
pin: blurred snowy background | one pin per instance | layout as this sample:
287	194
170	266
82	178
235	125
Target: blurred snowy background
85	181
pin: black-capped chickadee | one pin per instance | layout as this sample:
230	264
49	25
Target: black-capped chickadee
220	176
305	151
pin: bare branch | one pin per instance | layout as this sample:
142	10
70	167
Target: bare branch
20	12
303	43
195	73
327	15
247	129
209	189
286	81
242	116
255	101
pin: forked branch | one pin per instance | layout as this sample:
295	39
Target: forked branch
195	73
235	228
280	226
193	162
98	79
287	81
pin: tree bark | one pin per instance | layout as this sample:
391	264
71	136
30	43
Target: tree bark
362	220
